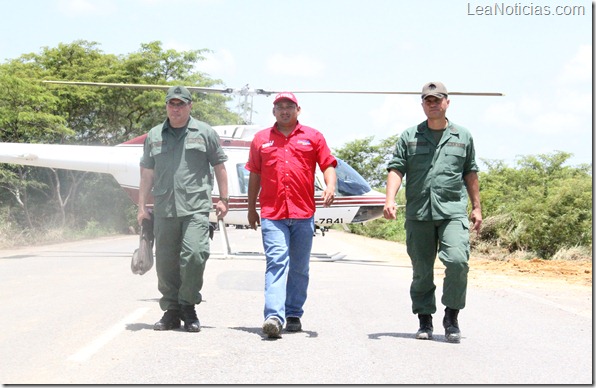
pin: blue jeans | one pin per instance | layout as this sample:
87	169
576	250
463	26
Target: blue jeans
287	245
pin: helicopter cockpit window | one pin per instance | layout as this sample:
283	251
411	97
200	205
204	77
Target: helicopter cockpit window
349	182
243	175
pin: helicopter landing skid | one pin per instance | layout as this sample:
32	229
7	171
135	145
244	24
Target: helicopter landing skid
228	254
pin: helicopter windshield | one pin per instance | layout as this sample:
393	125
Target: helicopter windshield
349	182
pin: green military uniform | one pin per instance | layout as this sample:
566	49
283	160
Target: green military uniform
183	181
436	210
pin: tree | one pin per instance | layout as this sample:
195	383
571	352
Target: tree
368	159
31	111
542	205
26	110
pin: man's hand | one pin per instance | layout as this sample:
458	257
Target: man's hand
476	218
253	219
221	209
142	214
394	178
328	197
390	211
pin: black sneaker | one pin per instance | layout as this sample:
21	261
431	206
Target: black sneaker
189	316
272	327
293	324
425	331
169	321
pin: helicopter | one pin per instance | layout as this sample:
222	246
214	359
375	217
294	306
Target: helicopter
355	200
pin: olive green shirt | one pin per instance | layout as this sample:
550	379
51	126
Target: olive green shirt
434	171
182	164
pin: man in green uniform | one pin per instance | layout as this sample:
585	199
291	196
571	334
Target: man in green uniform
437	159
176	167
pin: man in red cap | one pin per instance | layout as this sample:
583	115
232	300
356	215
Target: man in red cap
282	163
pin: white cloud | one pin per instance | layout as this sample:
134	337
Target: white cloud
174	3
563	107
505	114
74	8
220	64
579	68
397	113
546	117
295	65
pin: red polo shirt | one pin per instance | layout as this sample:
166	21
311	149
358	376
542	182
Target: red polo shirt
287	168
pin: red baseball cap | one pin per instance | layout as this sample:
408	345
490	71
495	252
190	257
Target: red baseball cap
285	96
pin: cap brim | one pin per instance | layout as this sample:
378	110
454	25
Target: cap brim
178	97
285	98
438	95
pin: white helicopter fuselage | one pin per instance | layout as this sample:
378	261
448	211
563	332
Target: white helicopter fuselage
122	162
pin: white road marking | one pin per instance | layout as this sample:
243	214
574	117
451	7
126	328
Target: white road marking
85	353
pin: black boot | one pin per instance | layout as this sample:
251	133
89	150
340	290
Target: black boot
169	321
189	316
452	333
426	327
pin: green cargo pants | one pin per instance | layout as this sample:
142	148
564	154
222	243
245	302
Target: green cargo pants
181	252
451	239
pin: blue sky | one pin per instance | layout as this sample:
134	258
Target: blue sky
543	64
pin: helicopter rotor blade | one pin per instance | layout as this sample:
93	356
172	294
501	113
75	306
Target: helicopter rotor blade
141	86
479	94
245	91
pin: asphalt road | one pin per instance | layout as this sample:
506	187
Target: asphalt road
74	313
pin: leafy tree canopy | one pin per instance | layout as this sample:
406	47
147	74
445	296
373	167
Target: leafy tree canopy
101	115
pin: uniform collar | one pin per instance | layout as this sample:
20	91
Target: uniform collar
450	127
191	125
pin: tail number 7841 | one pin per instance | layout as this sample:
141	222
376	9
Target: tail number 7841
328	221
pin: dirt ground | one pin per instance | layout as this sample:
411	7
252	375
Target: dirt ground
577	272
556	272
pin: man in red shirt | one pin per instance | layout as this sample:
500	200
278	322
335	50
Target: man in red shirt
282	163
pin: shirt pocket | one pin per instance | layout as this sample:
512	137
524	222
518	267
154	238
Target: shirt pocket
193	144
157	149
196	196
269	156
269	172
195	155
305	153
455	158
159	195
419	158
451	193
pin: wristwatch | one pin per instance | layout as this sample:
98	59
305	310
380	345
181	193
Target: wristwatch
225	199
